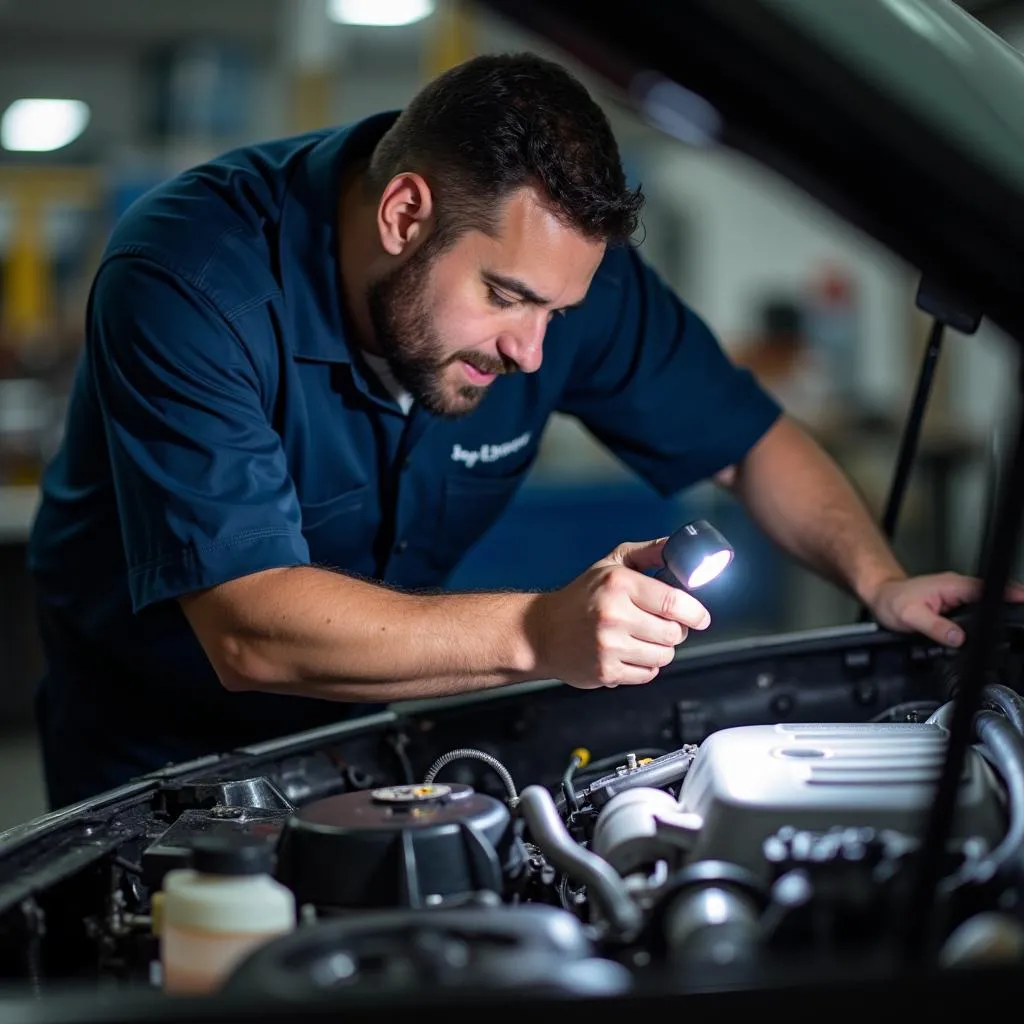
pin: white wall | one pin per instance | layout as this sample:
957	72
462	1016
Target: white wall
751	232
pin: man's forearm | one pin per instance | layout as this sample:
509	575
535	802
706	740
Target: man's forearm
320	634
806	504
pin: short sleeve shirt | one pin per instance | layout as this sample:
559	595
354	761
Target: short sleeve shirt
221	422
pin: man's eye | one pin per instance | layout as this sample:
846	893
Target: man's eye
499	300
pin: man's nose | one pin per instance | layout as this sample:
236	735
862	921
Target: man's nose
525	345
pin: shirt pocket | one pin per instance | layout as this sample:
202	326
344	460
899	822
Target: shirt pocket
335	530
470	505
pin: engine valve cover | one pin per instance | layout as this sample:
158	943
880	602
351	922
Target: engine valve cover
747	782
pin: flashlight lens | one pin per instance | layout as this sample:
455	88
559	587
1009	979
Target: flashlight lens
710	566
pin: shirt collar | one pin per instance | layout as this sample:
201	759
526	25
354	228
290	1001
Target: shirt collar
309	240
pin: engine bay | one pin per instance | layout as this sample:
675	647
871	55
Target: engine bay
759	809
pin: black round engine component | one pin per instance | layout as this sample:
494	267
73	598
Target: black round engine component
704	872
220	855
400	846
530	946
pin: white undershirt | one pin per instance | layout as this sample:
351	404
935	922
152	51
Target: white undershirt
382	369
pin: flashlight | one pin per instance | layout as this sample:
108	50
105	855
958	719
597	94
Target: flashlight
694	555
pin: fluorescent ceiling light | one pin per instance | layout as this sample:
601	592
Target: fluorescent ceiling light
379	12
41	126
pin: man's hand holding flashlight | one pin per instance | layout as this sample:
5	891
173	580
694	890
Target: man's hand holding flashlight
614	625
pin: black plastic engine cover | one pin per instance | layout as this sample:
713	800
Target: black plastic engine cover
399	846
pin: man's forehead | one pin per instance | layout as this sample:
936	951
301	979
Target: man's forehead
526	209
536	248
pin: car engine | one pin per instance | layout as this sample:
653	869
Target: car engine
763	839
420	866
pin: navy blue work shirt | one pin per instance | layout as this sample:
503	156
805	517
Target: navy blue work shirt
221	423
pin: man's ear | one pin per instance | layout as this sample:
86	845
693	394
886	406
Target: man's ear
404	212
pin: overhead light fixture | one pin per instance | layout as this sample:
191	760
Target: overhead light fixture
675	110
41	126
694	555
379	12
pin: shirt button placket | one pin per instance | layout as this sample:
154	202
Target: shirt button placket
401	544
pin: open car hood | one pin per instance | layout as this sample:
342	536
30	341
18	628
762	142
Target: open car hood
906	117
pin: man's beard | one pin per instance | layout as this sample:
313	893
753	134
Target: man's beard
408	339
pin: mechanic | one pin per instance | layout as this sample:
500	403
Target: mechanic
312	378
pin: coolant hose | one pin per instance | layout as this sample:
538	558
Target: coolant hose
552	838
1008	701
1005	747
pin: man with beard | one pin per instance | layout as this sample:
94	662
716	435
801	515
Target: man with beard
313	377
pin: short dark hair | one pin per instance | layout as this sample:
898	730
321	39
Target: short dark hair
499	122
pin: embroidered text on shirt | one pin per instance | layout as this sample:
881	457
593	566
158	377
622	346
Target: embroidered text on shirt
489	452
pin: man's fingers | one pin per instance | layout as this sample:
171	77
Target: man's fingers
668	602
639	555
636	675
656	630
644	655
921	618
957	589
966	589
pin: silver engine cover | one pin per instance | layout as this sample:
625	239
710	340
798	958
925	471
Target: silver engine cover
746	783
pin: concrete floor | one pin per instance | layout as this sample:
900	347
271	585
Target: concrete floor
21	779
